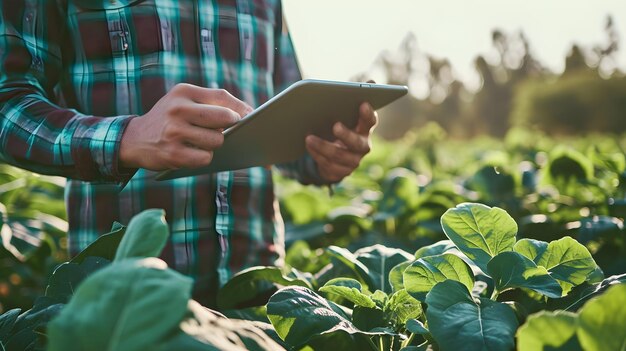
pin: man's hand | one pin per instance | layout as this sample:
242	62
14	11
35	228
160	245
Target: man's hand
336	160
181	130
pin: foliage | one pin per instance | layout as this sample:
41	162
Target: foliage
475	289
574	104
562	205
134	302
598	325
33	230
551	187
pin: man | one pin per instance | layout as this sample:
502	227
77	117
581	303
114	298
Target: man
106	92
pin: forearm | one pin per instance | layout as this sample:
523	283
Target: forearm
35	133
42	137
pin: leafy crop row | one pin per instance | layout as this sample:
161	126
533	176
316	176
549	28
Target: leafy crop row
474	290
471	292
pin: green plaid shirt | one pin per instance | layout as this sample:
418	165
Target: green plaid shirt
74	72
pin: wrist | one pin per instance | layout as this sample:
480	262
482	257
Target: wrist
128	157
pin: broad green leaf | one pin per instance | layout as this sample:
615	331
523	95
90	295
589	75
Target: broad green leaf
129	305
395	276
602	321
380	260
582	293
548	331
416	327
401	307
349	289
337	341
7	321
349	260
567	163
212	329
105	245
380	298
493	182
426	272
566	259
253	283
479	231
531	248
146	236
596	276
437	248
400	193
204	329
298	314
459	322
258	313
67	277
26	333
512	270
368	318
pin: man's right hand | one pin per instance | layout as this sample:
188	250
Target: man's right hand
181	130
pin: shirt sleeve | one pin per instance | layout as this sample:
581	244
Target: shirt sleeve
287	72
35	133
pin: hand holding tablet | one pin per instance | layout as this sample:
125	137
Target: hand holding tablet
275	132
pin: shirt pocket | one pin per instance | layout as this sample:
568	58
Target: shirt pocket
259	25
108	32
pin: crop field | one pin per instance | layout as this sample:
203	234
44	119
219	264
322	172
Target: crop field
433	244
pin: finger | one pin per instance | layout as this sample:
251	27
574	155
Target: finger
333	152
190	157
202	138
367	119
218	97
352	140
327	169
209	116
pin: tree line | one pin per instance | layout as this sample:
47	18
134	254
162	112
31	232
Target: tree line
516	90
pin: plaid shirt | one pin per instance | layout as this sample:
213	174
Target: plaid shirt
74	72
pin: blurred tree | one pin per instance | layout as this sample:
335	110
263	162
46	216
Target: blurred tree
575	61
514	85
492	104
398	68
605	53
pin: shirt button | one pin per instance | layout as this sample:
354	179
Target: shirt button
29	17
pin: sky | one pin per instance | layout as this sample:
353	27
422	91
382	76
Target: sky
336	39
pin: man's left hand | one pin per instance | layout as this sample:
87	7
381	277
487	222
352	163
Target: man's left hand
338	159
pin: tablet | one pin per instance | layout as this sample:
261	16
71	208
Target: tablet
275	132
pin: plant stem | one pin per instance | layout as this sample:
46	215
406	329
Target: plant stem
381	343
372	344
495	294
408	341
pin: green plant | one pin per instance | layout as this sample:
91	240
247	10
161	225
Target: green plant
598	325
470	292
134	302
